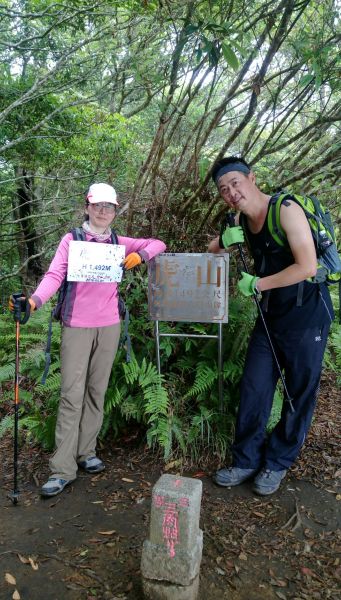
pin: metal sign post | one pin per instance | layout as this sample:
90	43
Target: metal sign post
192	288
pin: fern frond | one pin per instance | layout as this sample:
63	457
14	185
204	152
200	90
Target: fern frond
149	374
204	379
233	370
157	401
7	372
131	371
161	432
113	399
53	383
5	424
131	409
178	433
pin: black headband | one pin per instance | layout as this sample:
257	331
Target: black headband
236	166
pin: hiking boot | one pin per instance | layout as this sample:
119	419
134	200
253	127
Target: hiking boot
54	486
233	476
267	481
92	465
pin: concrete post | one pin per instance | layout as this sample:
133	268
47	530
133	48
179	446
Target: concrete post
171	557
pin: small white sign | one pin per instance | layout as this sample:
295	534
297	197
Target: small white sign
95	262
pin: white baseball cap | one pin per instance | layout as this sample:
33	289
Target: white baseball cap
101	192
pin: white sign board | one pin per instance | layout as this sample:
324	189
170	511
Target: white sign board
95	262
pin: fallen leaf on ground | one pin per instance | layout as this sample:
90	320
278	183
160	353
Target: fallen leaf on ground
127	480
111	532
16	595
33	564
278	582
29	561
172	464
10	579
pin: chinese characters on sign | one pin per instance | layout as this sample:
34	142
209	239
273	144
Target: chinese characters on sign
170	523
189	287
97	263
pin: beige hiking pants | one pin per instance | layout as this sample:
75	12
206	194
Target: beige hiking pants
87	355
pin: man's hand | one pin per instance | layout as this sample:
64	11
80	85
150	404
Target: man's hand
248	284
232	235
132	260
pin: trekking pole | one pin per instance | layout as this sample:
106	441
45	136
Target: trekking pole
18	320
288	398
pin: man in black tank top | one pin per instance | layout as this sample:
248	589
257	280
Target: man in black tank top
297	314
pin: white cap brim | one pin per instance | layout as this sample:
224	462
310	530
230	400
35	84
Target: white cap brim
102	192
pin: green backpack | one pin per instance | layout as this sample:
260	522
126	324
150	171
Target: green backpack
319	219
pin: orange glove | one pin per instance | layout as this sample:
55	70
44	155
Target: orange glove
23	301
132	260
32	304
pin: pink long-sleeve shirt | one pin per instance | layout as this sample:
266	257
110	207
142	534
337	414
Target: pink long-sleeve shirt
91	304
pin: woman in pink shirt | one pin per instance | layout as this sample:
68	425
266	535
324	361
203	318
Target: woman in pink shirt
90	336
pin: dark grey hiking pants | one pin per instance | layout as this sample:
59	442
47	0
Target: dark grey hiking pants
300	354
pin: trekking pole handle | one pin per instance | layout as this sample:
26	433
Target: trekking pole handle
17	315
17	306
230	218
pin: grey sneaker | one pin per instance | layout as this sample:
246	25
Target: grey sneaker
233	476
267	481
92	465
54	486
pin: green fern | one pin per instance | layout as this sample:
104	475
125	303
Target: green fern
205	378
6	424
7	372
41	429
179	434
160	433
52	384
131	409
156	402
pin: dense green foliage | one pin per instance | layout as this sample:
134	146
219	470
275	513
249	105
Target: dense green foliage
145	95
179	411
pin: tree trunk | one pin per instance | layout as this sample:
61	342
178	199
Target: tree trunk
27	234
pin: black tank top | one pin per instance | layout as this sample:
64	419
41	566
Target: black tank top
298	306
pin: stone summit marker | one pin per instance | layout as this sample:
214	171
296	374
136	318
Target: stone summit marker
171	557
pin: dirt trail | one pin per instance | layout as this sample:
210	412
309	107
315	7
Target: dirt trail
85	544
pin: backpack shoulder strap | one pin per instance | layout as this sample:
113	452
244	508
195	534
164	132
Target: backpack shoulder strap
274	221
78	234
114	238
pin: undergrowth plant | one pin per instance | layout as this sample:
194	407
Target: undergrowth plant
38	403
178	411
